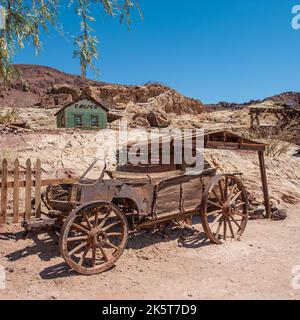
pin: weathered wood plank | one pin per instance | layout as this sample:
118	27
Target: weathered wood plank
4	192
234	146
16	192
12	172
152	176
28	190
38	186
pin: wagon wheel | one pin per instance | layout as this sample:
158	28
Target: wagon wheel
93	237
224	209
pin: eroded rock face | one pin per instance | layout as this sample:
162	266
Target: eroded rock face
64	89
158	119
146	106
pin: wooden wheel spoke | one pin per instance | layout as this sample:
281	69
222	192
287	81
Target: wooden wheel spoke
114	234
221	191
87	221
104	253
215	222
230	228
111	225
235	222
81	238
105	219
240	204
78	248
219	227
96	222
217	196
225	228
214	204
94	255
81	228
241	214
233	200
214	213
232	191
226	189
111	245
84	255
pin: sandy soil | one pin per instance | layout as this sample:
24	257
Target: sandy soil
156	266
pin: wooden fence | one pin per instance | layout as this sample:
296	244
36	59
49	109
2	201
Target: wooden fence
29	181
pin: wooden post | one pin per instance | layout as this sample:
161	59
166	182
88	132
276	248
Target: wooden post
251	120
16	192
4	192
38	185
28	190
258	120
264	183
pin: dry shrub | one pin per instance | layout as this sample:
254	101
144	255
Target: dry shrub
9	117
279	139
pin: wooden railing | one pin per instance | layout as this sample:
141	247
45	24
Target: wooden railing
29	181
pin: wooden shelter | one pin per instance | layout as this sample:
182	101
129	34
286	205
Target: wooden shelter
229	141
282	115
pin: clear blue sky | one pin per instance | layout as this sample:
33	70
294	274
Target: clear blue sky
213	50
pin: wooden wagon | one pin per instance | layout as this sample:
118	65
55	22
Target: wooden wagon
97	216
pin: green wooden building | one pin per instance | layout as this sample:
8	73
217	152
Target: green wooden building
85	113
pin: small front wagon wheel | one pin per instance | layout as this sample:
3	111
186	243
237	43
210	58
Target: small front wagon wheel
93	237
224	208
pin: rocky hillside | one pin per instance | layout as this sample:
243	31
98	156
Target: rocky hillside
146	105
290	98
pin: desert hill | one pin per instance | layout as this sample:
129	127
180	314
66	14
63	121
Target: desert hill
39	86
289	98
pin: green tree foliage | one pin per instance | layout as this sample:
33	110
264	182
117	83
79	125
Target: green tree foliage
26	20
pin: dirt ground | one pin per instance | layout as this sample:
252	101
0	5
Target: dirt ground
159	266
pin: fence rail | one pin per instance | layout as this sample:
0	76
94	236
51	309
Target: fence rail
30	182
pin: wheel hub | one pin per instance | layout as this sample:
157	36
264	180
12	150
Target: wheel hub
228	209
98	237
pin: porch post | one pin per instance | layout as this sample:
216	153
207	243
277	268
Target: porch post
264	183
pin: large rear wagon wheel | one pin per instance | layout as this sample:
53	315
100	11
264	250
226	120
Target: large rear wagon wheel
93	237
224	209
